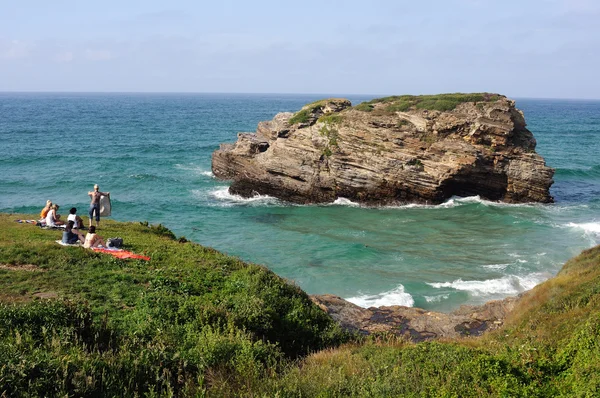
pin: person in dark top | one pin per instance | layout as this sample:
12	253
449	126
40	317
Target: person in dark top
95	204
71	237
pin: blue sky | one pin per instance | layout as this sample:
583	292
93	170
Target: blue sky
539	48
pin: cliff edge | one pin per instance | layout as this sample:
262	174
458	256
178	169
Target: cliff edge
419	149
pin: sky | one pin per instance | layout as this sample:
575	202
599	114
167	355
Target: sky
537	48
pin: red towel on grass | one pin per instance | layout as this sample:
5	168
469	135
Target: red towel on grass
121	253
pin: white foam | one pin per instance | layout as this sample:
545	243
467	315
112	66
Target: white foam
436	299
195	169
225	198
588	227
457	201
505	286
345	202
495	266
396	296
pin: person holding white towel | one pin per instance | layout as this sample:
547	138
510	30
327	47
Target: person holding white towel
95	204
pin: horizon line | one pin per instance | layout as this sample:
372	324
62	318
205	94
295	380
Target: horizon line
272	93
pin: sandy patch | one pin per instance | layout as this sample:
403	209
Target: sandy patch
22	267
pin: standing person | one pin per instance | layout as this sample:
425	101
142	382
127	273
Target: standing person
95	205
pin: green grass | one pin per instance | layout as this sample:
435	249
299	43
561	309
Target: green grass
303	115
195	322
364	107
172	324
439	102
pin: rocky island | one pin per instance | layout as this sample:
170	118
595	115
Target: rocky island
400	149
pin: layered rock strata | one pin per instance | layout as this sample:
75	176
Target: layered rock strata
393	150
416	324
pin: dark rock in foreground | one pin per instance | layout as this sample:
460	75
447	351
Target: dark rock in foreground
422	149
414	323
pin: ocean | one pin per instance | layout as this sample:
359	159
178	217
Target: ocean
153	153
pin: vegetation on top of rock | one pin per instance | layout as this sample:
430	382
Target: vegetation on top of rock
330	131
439	102
365	107
335	118
303	115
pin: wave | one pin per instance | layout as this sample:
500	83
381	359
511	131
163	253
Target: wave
198	170
345	202
436	299
588	172
457	201
588	227
396	296
506	286
591	231
498	266
144	176
222	195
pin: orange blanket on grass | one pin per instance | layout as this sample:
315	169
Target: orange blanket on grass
121	253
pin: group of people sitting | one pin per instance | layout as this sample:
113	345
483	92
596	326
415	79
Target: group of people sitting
72	227
49	216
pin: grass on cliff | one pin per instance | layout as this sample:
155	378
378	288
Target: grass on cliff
303	115
179	324
194	322
439	102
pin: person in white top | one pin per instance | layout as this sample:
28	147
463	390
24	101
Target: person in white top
77	221
53	219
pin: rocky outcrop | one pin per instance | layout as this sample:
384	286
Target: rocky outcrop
422	149
416	324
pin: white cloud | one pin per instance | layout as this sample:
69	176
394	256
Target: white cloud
64	57
97	55
14	49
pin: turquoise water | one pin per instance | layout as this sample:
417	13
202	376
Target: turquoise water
152	152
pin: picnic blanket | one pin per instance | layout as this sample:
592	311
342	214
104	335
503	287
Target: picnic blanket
34	222
60	242
120	253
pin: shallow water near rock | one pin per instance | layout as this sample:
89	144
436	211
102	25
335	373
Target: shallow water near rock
152	152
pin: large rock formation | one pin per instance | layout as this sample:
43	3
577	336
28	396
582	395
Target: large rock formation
421	149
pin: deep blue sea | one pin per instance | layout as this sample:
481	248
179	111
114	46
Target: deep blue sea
153	153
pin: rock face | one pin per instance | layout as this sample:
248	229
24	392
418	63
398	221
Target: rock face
422	149
416	324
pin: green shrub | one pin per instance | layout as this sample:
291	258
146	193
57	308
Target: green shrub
440	102
364	107
301	116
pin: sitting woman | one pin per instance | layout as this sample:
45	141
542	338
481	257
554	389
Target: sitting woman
45	210
71	236
92	239
53	219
